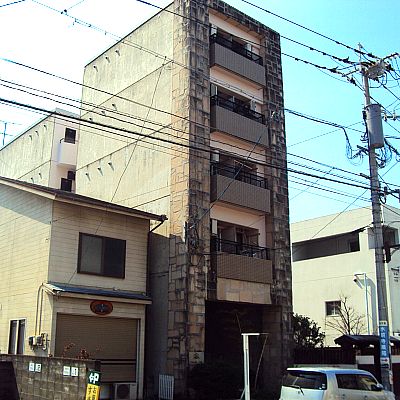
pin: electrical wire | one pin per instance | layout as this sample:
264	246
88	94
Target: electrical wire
124	132
357	51
118	119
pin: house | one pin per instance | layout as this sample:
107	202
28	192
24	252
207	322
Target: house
189	114
334	262
46	152
74	280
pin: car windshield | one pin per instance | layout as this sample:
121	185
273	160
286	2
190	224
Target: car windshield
305	380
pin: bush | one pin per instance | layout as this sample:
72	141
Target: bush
216	380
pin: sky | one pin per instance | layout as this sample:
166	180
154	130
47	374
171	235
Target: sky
40	35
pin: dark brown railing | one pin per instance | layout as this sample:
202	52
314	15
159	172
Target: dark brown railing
238	108
248	250
236	47
239	175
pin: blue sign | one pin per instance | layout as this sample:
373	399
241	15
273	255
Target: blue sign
384	339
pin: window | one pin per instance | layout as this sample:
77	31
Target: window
366	382
347	381
305	380
66	184
354	245
100	255
356	382
17	336
332	308
70	135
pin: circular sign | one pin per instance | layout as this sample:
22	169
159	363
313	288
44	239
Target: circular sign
101	307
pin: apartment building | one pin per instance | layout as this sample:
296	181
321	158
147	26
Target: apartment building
46	152
338	264
74	281
192	102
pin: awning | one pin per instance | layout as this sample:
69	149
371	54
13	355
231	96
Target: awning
363	340
58	288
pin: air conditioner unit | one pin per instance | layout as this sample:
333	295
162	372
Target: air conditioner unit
125	391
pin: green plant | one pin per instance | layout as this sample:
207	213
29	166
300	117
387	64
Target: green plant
216	380
306	333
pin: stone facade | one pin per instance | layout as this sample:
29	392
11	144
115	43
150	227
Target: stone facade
190	192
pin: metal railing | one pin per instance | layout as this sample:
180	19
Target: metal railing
230	247
238	174
236	47
238	108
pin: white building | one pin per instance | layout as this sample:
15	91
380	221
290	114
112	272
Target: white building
333	259
45	153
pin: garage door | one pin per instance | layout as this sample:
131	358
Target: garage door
113	341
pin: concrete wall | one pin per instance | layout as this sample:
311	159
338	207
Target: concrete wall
132	170
24	248
50	383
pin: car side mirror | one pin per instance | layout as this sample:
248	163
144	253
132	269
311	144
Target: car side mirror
377	388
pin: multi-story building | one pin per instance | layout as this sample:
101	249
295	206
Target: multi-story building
334	262
46	152
74	281
187	121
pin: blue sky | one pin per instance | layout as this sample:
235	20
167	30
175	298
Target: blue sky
37	36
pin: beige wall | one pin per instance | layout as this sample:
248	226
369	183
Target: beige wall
70	220
24	248
128	61
235	30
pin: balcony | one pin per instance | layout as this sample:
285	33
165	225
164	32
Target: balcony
237	119
67	153
234	57
244	189
243	262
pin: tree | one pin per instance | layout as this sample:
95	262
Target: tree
307	334
348	321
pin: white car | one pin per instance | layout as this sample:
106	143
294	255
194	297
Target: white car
332	384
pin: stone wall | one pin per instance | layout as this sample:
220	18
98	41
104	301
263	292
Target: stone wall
44	378
190	191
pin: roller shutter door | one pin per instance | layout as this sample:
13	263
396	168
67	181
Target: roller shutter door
111	340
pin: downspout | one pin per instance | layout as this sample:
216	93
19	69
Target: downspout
162	219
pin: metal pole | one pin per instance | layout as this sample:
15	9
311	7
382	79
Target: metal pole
378	236
246	367
246	364
366	302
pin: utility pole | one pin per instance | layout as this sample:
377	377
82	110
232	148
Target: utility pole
376	140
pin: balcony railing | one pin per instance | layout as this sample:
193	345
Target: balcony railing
247	250
237	108
239	175
236	47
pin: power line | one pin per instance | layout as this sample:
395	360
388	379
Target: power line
116	131
154	122
345	60
357	51
9	4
